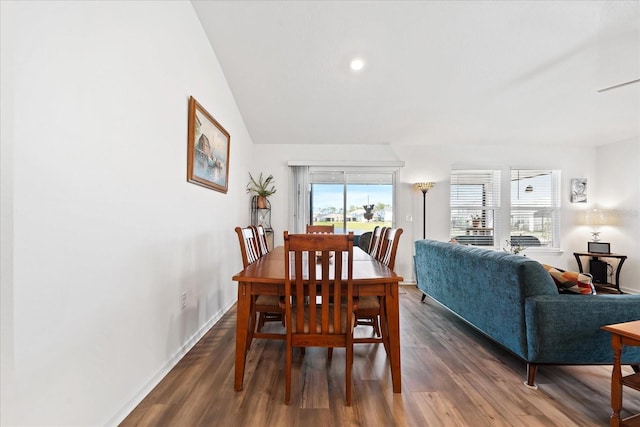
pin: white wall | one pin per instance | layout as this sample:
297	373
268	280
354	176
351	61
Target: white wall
101	233
618	190
434	164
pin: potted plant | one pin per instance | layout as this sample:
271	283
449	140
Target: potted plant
475	221
262	188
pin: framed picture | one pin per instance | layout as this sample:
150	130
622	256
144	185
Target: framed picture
208	150
579	190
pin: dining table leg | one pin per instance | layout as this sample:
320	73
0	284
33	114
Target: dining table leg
242	332
392	305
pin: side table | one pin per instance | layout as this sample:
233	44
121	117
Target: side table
627	333
620	258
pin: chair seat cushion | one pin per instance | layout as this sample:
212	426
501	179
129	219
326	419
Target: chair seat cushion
370	302
273	300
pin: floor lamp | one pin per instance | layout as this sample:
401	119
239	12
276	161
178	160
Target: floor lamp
424	187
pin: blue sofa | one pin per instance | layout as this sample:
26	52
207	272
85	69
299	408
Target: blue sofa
515	302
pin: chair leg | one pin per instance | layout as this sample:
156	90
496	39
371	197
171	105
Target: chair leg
329	353
383	326
349	351
261	317
376	326
252	324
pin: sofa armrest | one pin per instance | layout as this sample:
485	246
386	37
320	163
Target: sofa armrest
566	328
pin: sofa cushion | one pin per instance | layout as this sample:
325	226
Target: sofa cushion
571	282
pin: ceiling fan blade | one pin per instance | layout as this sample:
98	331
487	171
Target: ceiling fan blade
620	85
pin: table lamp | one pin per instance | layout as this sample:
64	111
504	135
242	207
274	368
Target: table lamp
596	218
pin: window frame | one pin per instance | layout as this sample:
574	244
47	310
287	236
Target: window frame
504	211
300	185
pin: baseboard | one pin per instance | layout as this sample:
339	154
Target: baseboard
168	366
408	283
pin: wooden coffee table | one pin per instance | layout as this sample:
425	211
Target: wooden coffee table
623	334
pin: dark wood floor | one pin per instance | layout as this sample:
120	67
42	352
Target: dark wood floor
451	376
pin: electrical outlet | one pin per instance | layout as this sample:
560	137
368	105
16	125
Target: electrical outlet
183	300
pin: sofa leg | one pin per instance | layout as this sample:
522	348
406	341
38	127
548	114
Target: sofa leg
423	297
531	375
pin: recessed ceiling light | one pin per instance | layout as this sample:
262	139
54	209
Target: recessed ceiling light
357	64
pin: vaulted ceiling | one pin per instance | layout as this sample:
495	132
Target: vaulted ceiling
436	72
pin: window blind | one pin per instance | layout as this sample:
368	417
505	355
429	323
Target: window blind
535	207
475	206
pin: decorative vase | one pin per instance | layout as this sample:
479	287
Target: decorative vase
261	202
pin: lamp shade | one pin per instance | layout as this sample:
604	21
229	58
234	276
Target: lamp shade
596	217
424	186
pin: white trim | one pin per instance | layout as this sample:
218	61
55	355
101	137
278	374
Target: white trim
166	368
543	250
348	163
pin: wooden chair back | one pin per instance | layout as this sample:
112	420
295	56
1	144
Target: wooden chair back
261	239
324	229
248	245
388	247
376	240
253	245
319	296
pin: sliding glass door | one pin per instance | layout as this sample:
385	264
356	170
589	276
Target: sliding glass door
351	200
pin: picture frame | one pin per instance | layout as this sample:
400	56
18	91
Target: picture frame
579	190
208	146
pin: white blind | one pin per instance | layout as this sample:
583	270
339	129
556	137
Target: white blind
475	206
535	207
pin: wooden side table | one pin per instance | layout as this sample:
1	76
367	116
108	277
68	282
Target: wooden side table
623	334
619	257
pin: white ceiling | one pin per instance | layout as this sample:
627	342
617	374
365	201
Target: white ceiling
436	73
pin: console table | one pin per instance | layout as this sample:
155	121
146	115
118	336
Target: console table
620	258
627	333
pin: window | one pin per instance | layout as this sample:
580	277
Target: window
351	201
354	198
535	208
475	206
532	211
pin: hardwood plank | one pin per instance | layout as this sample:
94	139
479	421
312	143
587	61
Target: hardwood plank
451	376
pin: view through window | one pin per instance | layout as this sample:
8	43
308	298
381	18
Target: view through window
351	201
532	210
535	207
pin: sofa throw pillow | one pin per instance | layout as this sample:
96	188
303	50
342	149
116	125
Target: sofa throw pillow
571	282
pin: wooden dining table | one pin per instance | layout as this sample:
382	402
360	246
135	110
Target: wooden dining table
266	277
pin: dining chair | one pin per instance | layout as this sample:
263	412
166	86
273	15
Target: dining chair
319	301
389	246
248	245
326	229
376	238
370	311
261	239
266	307
265	304
364	241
